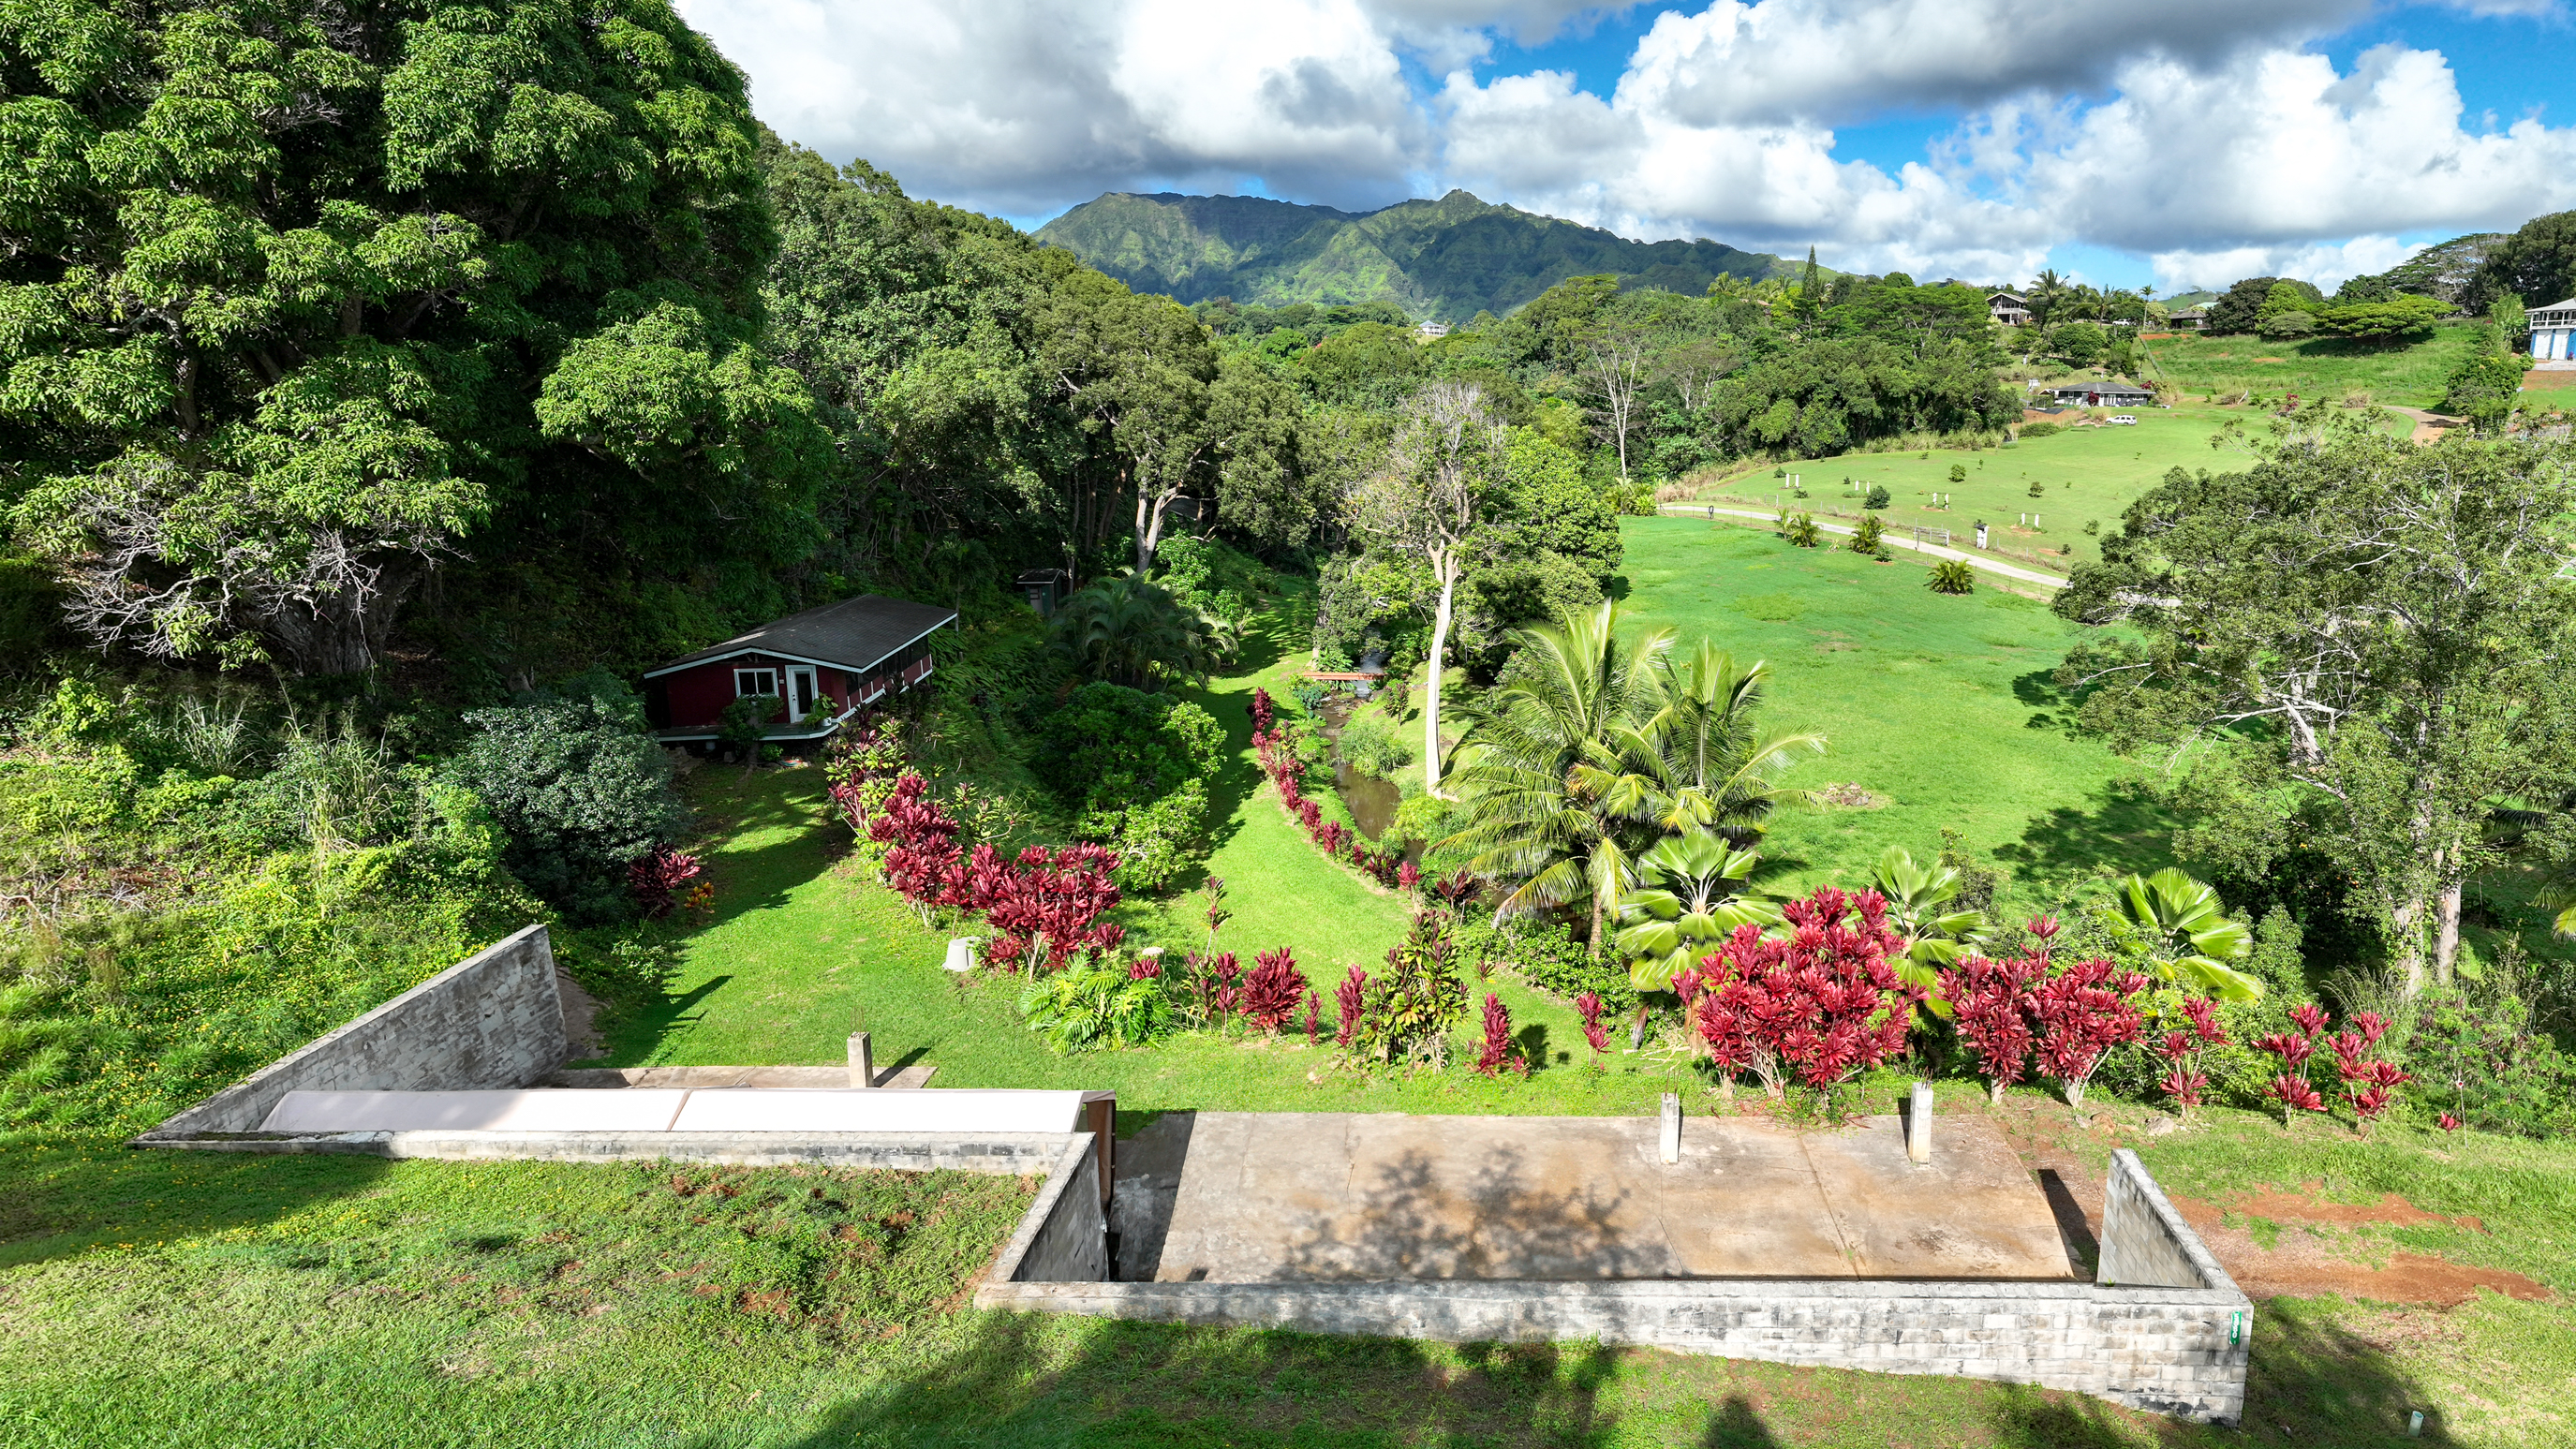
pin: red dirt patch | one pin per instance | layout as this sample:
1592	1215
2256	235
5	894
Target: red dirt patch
2297	1207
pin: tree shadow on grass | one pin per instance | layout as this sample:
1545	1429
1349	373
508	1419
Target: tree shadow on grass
62	1201
2126	826
640	1033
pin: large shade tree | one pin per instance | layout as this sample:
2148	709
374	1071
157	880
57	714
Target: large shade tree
2363	642
299	295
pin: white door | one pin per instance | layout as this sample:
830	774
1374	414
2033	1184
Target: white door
800	681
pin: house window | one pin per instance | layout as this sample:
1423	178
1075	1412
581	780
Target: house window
754	681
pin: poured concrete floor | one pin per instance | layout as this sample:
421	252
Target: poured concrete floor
1233	1197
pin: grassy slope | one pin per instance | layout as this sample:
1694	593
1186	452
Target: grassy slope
1942	702
208	1299
2412	376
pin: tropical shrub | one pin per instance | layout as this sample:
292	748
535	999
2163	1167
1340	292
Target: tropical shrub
1128	630
2183	1050
2040	430
1404	1014
2477	1053
1991	1009
1879	497
1271	993
1373	744
1546	954
2293	1049
1867	537
1951	576
580	788
1096	1006
1920	901
2484	389
1498	1053
658	879
1685	906
1802	531
2174	923
1824	1004
1157	843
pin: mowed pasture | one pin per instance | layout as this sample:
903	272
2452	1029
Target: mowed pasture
1941	705
2414	375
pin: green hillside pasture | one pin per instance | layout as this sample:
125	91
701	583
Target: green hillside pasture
2411	376
1940	704
2086	475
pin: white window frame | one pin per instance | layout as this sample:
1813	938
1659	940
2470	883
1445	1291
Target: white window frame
748	672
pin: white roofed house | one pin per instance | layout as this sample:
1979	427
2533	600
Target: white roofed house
2553	332
2010	308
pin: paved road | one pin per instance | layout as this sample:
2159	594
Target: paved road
1893	539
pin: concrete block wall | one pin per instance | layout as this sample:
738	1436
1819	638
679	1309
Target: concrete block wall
492	1020
2145	1242
1064	1236
2163	1351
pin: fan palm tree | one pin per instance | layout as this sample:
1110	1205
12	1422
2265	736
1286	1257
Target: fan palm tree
1557	783
1713	766
2176	920
1685	907
1934	937
1131	631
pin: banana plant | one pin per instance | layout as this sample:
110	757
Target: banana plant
2176	921
1686	906
1934	937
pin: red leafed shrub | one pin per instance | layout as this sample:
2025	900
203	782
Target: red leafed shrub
1454	889
2450	1123
1991	1008
1595	1036
1220	986
657	878
1056	897
1314	1018
1145	968
2295	1095
1263	711
2182	1049
1408	875
1350	999
2082	1012
1823	1003
920	838
1498	1054
2294	1048
1271	992
2369	1084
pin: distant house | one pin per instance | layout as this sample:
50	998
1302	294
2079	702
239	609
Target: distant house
842	657
1433	331
2010	308
2190	319
2102	395
2553	332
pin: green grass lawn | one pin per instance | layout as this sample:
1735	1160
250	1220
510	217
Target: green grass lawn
210	1299
1942	704
2411	376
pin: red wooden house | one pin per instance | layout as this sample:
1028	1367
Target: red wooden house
842	657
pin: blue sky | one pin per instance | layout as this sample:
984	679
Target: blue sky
2179	144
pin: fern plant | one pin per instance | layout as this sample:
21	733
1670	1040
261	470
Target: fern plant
1082	1007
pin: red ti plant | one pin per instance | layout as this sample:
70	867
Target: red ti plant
1146	967
657	878
2291	1087
1825	1003
2082	1012
1271	992
1263	711
1220	988
1595	1036
1350	999
2182	1050
1314	1018
1991	1007
2369	1084
1408	875
1499	1054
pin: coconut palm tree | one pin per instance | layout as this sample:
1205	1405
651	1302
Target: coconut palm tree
2175	920
1714	767
1557	783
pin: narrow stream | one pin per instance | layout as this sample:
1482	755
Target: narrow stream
1371	801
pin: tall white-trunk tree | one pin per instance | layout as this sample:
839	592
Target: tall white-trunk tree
1428	501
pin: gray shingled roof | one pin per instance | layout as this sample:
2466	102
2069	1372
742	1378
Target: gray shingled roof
855	634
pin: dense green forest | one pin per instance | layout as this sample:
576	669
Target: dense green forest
1442	260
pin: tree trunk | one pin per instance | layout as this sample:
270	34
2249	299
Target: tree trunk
2446	941
1637	1030
2410	946
1446	572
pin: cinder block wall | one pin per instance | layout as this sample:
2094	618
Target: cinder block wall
2145	1242
493	1020
1065	1235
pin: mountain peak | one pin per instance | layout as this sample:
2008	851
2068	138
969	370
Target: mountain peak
1443	259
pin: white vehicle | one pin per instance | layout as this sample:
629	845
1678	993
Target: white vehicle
2123	420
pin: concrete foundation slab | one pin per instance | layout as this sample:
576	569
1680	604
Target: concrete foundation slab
1320	1197
540	1110
696	1078
857	1109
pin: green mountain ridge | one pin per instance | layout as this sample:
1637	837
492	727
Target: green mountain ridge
1444	259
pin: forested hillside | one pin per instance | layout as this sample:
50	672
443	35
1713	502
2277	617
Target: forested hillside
1443	260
